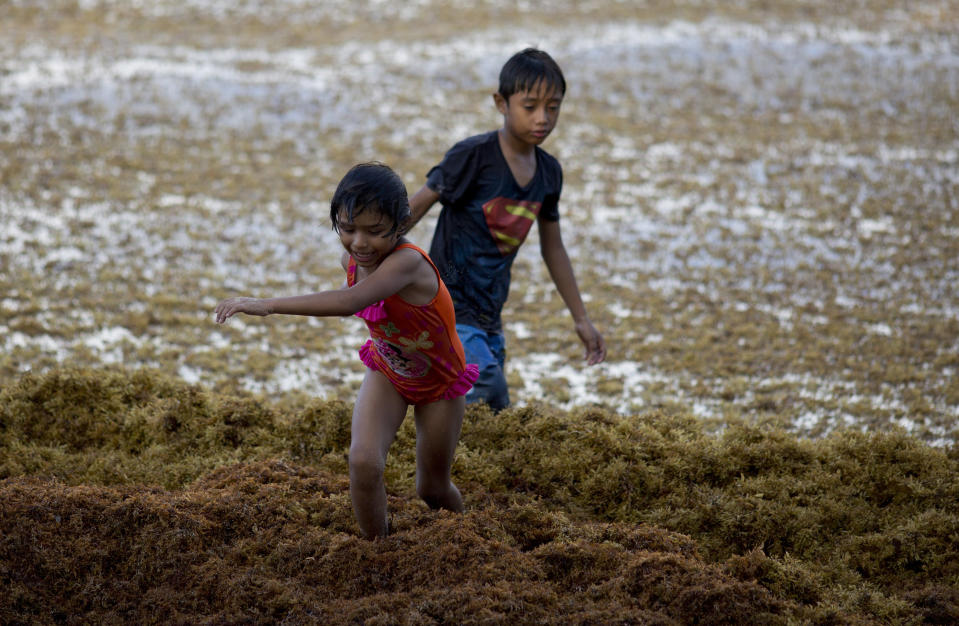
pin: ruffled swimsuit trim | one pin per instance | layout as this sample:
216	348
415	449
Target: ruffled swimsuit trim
373	313
457	388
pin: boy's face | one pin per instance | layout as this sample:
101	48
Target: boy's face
367	237
530	116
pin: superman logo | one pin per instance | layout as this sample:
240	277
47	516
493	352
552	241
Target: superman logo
509	221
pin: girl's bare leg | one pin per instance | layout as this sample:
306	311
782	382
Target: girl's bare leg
377	415
438	426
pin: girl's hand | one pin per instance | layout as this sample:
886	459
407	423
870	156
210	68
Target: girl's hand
231	306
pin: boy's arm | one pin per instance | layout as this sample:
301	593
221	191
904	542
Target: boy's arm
561	271
420	203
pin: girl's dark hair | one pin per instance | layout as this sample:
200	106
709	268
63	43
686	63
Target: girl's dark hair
528	67
374	187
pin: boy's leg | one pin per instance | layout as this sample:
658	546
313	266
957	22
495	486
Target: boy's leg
438	426
377	415
488	351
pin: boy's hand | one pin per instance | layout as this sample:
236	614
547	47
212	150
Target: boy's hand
231	306
595	346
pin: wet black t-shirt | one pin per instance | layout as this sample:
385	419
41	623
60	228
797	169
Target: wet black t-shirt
485	217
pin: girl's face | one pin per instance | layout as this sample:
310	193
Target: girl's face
367	238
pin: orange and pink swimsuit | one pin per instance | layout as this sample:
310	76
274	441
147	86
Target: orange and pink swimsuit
416	347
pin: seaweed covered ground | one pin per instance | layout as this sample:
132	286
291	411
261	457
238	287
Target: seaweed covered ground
761	202
137	498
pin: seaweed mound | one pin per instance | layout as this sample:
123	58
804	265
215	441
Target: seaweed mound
270	541
129	497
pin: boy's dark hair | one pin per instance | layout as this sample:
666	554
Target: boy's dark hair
371	186
528	67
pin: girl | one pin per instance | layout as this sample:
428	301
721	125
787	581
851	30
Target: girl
414	356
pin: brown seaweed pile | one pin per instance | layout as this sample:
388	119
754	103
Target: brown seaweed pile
760	200
130	497
273	542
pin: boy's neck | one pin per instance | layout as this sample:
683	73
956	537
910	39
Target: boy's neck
522	161
513	147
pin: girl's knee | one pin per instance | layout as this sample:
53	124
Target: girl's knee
366	469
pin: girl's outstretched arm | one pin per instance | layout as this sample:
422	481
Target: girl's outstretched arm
396	272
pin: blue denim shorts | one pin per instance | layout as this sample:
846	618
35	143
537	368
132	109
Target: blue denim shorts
488	351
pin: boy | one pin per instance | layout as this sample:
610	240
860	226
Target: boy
493	187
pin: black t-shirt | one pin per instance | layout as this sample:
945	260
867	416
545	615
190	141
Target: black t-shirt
486	216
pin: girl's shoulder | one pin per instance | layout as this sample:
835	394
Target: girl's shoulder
422	275
406	258
405	244
412	259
